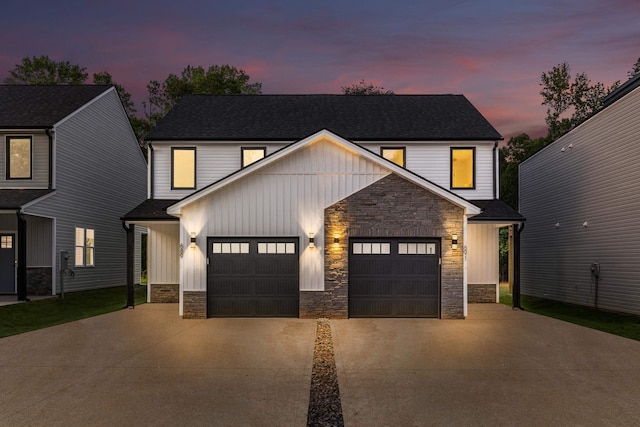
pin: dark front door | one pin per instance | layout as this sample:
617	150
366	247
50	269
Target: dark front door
7	264
252	277
394	277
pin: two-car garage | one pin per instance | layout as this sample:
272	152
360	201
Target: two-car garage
254	277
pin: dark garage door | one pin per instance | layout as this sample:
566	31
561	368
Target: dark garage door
394	278
252	277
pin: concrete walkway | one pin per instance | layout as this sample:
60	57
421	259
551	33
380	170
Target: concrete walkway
149	367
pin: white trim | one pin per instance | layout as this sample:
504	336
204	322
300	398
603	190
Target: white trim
470	209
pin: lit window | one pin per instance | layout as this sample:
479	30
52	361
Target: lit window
463	167
251	155
183	167
85	247
18	157
6	242
396	155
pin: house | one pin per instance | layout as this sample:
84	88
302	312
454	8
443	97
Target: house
71	165
580	195
323	205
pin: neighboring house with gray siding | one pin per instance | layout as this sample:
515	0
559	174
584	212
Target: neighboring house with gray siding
580	196
323	205
69	165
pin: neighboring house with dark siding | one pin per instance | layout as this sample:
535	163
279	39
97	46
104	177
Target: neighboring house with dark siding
581	197
323	205
69	165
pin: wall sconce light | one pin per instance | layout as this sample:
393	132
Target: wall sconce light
336	238
193	239
312	240
454	241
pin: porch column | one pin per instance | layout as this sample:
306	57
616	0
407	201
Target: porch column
130	254
22	257
516	265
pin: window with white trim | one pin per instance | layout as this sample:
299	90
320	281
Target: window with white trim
85	253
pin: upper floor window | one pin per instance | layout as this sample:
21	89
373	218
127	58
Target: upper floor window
396	154
463	167
183	167
85	247
19	157
252	154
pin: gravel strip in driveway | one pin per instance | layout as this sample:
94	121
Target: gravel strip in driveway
325	408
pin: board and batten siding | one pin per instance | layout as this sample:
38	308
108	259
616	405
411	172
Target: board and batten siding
100	175
214	161
482	254
39	161
595	180
164	254
39	241
432	161
285	199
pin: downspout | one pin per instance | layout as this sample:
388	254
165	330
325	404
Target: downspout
130	251
22	256
496	183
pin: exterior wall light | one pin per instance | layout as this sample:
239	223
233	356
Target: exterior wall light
454	241
312	240
336	238
193	239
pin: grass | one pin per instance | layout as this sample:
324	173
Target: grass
25	317
624	325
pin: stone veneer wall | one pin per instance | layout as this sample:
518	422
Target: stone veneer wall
165	293
194	305
482	293
39	281
391	207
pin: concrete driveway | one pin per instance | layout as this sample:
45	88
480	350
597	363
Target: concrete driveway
149	367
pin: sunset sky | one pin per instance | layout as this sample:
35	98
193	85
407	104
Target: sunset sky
492	51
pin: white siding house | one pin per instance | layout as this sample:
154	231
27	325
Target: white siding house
580	196
282	236
58	190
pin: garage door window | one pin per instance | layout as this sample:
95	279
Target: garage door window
231	248
417	248
373	248
276	248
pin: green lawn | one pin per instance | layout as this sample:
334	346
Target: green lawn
24	317
624	325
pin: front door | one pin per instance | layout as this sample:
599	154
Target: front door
7	264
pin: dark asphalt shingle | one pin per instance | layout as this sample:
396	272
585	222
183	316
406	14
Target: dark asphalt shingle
293	117
15	199
42	106
151	209
495	210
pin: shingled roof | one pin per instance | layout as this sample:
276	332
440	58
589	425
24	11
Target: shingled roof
42	106
292	117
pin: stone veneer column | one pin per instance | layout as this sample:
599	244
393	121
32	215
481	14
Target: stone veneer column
194	305
390	207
